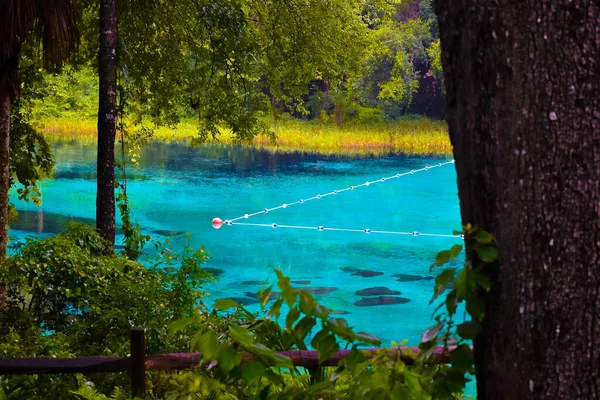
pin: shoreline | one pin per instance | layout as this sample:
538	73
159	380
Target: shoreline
416	137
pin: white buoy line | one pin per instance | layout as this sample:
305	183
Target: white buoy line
217	222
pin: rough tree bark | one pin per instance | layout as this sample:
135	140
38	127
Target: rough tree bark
5	99
9	90
523	107
107	119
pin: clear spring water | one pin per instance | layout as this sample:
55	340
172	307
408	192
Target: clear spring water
180	189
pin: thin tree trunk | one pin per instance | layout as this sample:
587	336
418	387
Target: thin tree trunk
523	107
107	119
4	168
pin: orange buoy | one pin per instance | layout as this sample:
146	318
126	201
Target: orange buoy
217	223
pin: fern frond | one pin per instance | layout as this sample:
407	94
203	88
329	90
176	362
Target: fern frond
87	393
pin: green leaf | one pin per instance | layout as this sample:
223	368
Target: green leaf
83	392
339	326
413	384
283	361
455	251
179	325
241	335
353	359
307	303
455	380
487	254
443	279
291	317
209	346
272	377
469	329
462	358
462	284
432	333
288	340
322	334
229	358
327	347
264	295
426	351
442	257
319	387
476	309
289	295
321	311
368	338
304	327
252	370
225	304
452	302
261	350
276	308
195	342
484	237
279	274
481	280
283	283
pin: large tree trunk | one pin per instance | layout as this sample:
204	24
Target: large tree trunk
4	168
523	108
107	119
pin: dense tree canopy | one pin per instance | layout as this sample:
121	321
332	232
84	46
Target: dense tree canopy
225	58
229	62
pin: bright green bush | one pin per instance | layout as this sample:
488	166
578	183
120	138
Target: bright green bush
73	92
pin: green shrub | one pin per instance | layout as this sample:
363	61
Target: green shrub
369	115
73	92
64	297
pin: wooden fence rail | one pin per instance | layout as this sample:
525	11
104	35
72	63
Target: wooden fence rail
138	363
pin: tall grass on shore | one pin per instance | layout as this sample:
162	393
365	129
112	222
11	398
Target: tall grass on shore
415	136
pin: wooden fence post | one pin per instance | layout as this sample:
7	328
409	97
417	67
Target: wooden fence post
138	361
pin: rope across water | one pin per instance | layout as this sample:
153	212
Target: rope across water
217	222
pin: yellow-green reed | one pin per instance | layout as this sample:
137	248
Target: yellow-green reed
419	136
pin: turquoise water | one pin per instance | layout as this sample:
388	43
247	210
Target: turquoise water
181	189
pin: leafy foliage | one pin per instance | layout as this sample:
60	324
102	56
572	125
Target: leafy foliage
64	297
373	375
71	93
30	155
88	393
380	374
31	158
391	66
229	63
435	55
51	26
233	57
134	240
